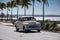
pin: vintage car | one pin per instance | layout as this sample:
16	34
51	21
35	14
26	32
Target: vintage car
27	23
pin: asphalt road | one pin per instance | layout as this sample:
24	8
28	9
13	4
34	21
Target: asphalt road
9	33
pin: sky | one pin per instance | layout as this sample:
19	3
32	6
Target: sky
52	9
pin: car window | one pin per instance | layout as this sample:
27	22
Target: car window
26	19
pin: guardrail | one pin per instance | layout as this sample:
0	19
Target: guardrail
9	19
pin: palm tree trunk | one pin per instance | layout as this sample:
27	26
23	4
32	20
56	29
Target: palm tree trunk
11	15
24	10
7	14
43	13
33	9
11	11
17	11
1	15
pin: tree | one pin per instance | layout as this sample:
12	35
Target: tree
2	15
2	6
7	5
33	5
13	4
17	3
44	2
25	4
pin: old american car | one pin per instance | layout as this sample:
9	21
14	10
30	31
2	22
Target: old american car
27	23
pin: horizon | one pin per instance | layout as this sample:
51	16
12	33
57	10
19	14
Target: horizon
52	9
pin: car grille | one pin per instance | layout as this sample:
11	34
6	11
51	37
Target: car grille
33	26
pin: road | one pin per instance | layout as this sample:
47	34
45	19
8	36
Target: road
9	33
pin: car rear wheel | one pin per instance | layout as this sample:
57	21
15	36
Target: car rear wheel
38	30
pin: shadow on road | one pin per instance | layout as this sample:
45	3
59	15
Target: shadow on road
10	25
0	39
55	32
27	31
52	31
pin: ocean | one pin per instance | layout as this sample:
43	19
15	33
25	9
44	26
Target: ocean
48	18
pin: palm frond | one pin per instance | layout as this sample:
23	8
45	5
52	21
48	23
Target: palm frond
39	0
45	1
2	5
25	3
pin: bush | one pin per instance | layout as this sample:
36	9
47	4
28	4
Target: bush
57	28
49	25
53	26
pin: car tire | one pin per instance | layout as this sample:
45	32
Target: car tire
26	31
15	26
24	27
17	29
38	30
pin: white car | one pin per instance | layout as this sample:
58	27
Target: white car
27	23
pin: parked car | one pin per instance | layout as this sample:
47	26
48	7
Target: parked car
27	23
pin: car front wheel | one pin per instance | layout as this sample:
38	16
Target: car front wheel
17	29
38	30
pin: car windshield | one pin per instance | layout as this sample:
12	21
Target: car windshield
27	19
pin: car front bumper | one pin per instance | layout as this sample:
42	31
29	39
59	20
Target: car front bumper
33	27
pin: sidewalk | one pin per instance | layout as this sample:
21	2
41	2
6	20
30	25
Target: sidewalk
6	23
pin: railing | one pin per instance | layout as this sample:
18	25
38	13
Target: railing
9	19
14	19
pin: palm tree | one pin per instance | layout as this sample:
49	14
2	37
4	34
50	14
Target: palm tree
8	5
17	3
34	4
13	4
25	4
2	6
44	2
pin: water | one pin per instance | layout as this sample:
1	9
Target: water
45	18
48	17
